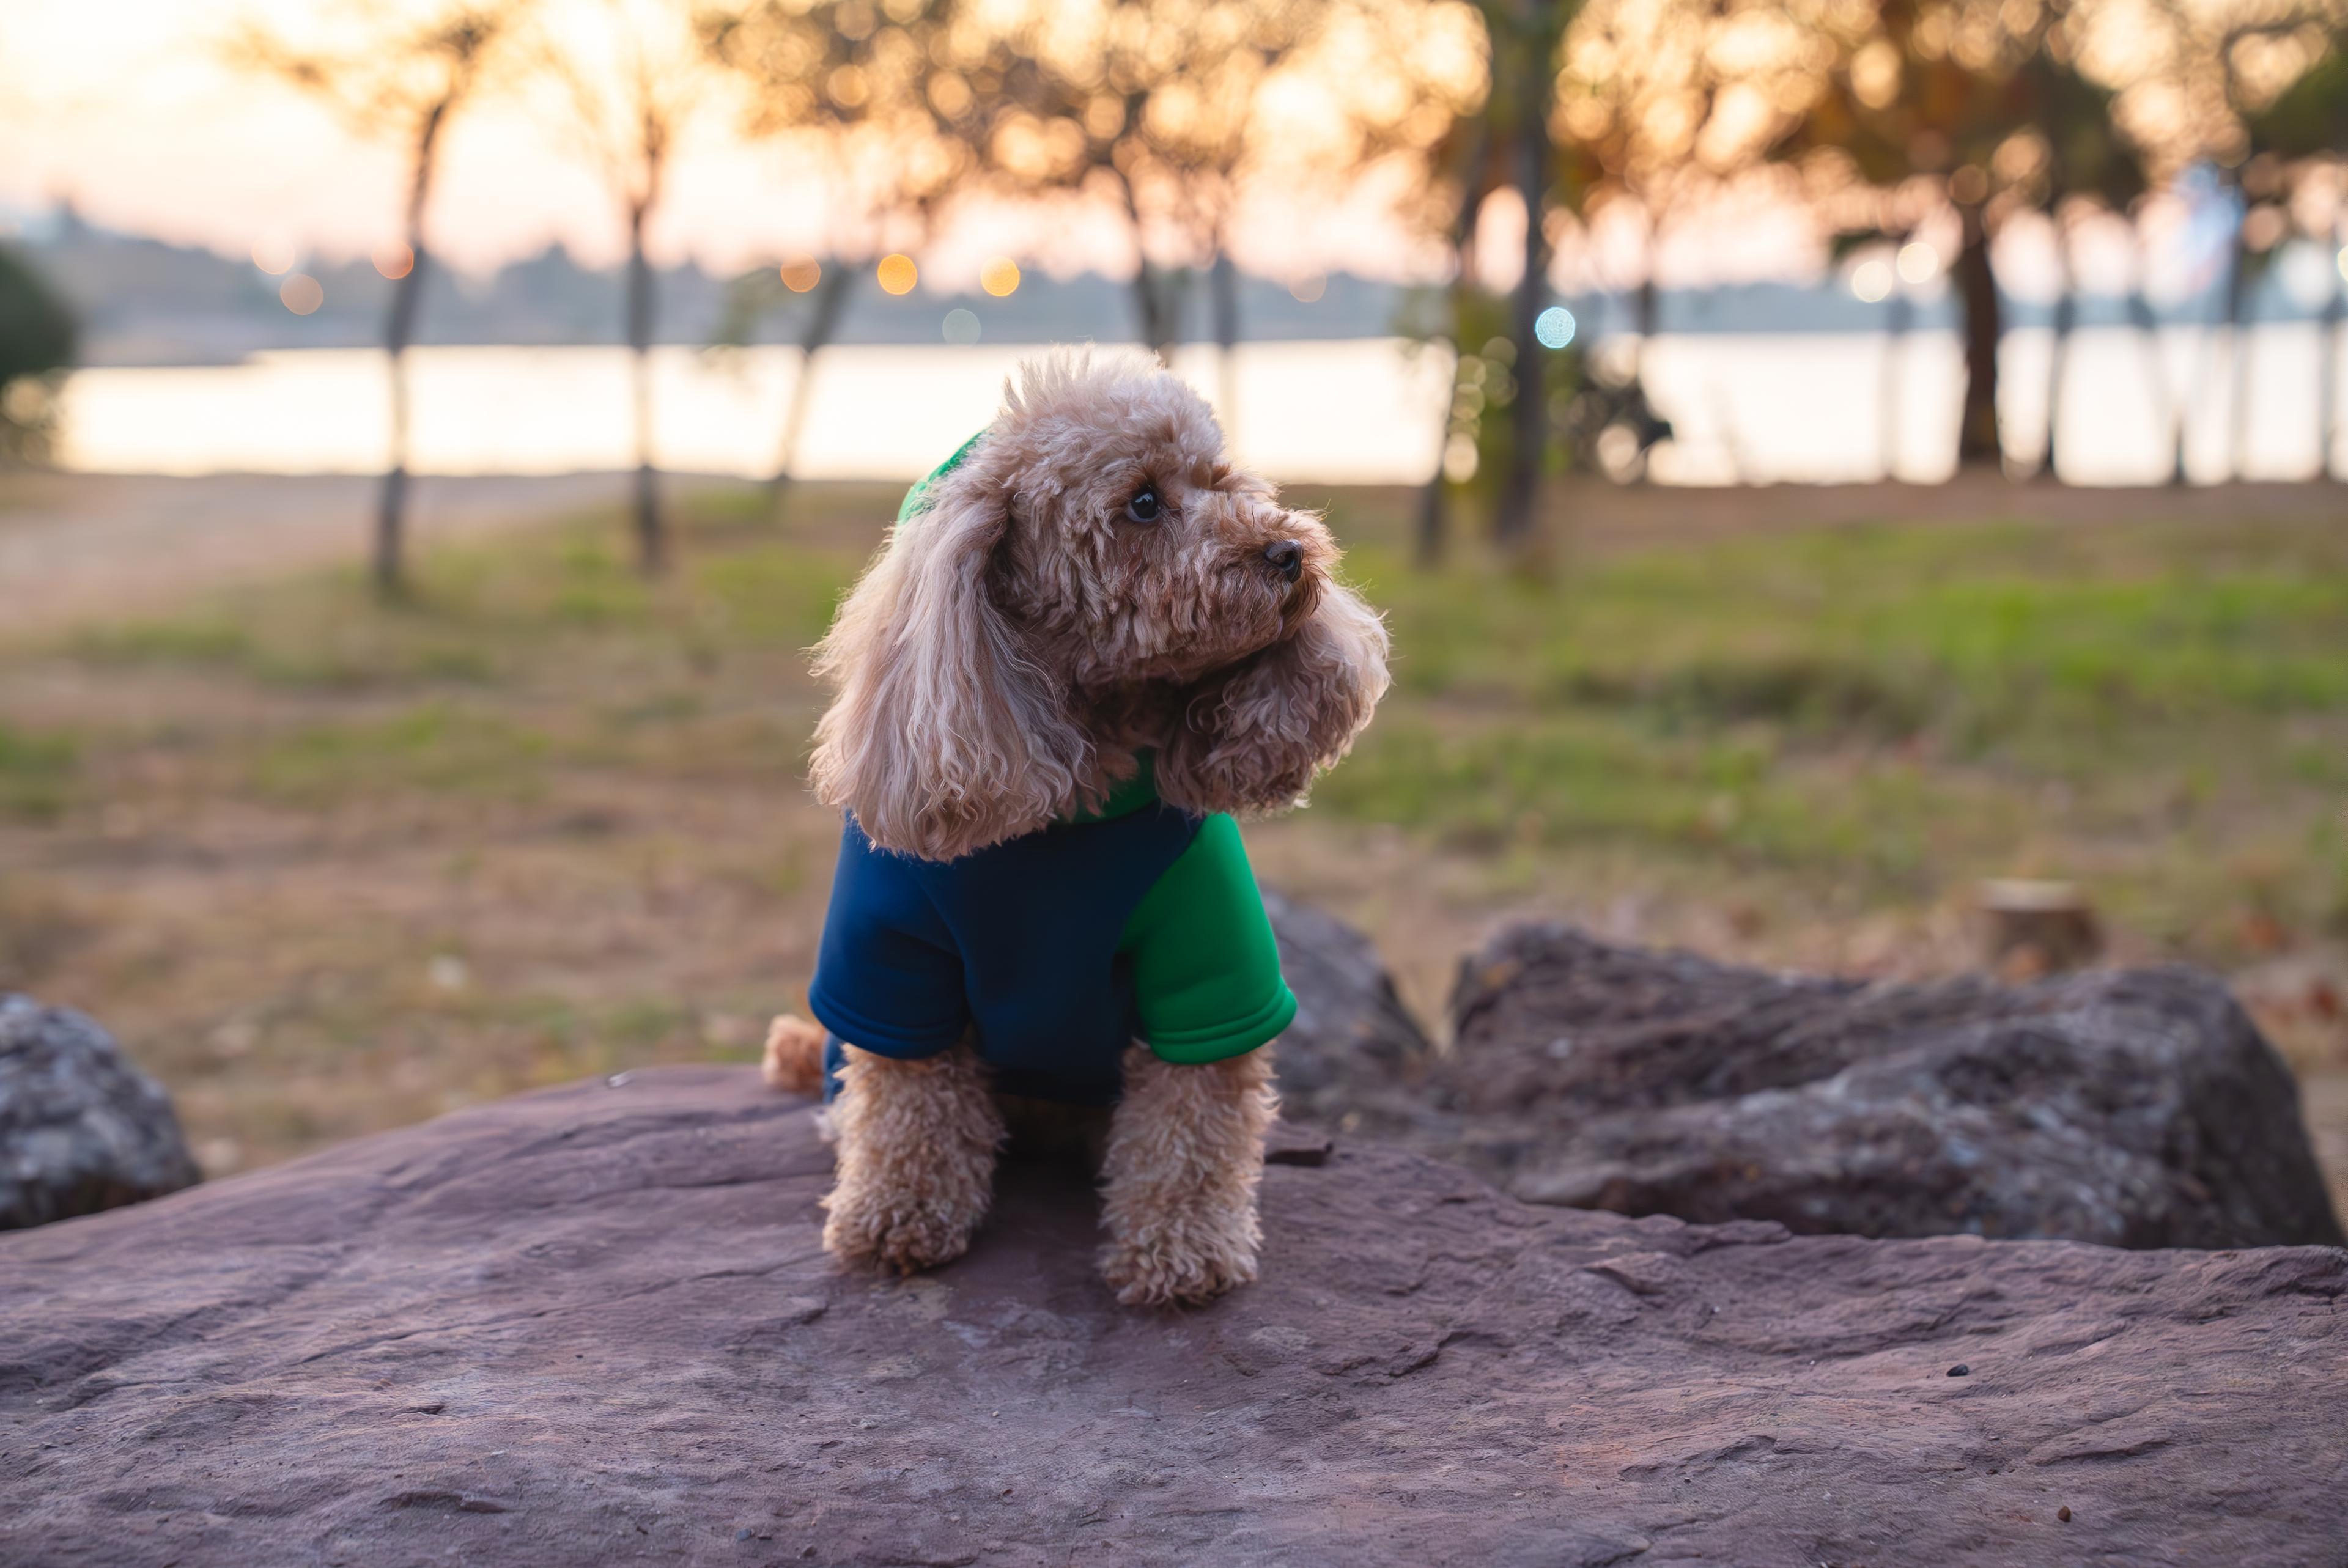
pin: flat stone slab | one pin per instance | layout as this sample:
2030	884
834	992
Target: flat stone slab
593	1325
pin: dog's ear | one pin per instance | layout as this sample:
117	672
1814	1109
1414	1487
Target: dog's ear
945	737
1252	739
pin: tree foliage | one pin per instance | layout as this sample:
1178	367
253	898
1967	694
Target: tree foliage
37	339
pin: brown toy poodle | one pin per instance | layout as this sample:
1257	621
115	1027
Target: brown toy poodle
1088	643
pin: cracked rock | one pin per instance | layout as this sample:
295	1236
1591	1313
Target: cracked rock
2134	1108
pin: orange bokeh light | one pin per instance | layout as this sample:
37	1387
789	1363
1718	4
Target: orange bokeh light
802	273
393	259
896	274
1000	277
302	294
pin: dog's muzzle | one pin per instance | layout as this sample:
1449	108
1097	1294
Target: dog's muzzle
1287	559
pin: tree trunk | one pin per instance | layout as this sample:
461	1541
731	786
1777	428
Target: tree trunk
652	541
1224	283
1646	308
398	332
2168	408
1888	400
830	303
1434	520
2240	277
2058	355
2327	361
1529	416
1978	440
1157	301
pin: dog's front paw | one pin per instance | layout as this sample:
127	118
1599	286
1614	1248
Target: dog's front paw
1189	1256
906	1232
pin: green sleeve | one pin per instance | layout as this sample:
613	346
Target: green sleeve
1205	971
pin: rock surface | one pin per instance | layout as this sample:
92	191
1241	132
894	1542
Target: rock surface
1353	1042
593	1325
81	1128
2138	1109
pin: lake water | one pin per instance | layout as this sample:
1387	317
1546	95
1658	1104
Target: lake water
1748	407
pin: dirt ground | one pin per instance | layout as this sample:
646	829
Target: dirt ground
327	872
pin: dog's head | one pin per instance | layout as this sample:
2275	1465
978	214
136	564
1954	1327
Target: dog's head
1092	579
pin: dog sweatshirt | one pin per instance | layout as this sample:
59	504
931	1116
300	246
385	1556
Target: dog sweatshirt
1057	950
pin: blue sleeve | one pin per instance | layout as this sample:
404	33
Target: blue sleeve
888	976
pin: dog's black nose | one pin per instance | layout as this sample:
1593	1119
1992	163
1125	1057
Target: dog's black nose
1287	558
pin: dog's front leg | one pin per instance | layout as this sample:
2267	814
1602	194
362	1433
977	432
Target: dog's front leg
1185	1157
917	1141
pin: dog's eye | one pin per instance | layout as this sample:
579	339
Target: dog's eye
1143	508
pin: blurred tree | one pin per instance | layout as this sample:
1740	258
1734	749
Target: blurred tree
1370	100
2302	133
402	74
2238	89
627	77
38	334
1526	36
1461	174
899	106
1662	104
1959	101
2070	161
1156	108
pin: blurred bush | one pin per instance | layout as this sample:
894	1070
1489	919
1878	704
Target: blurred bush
37	331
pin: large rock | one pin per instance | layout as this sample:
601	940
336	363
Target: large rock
594	1325
1354	1046
81	1129
2138	1108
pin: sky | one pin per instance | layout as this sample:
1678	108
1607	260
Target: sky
129	108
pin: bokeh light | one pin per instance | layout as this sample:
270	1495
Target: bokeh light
802	273
960	328
1309	287
1459	457
1554	327
302	294
393	259
1000	277
1918	263
1870	281
896	274
273	253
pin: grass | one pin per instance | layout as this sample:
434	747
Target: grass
1895	711
329	864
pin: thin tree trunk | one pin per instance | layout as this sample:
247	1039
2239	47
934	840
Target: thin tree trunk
1434	520
652	541
2058	356
1528	416
1646	308
1889	402
1224	283
830	303
2327	360
1158	300
2166	406
1978	439
2239	281
398	332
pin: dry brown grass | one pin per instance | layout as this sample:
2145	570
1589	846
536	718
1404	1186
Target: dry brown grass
327	867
